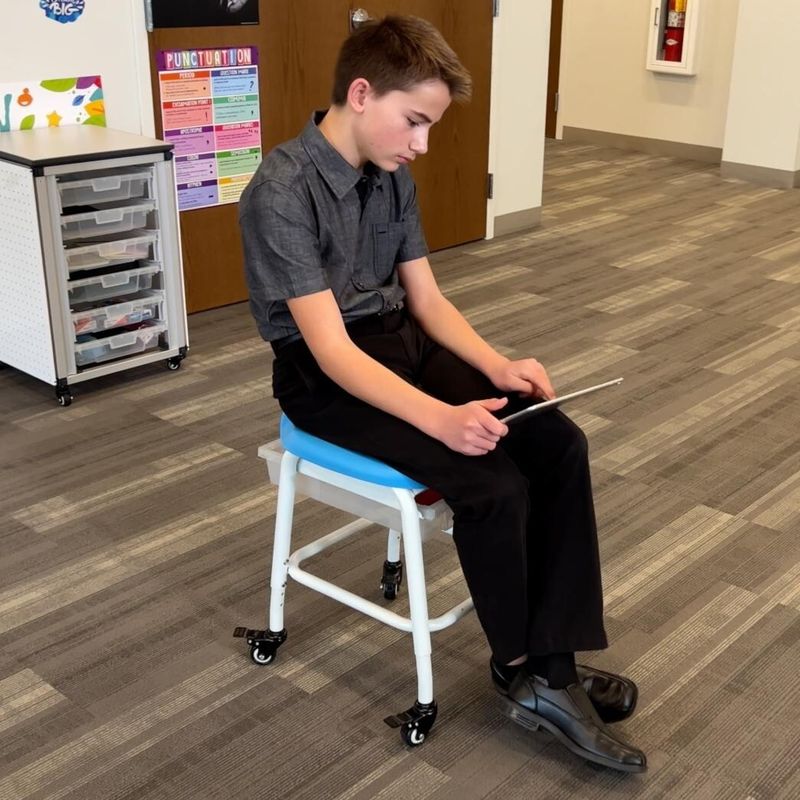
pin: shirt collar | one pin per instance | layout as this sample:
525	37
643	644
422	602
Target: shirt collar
337	172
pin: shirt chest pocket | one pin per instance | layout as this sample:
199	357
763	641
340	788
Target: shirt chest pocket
387	239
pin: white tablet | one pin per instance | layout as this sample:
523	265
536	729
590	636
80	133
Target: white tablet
536	408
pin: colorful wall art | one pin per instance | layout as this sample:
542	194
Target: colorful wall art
210	112
51	103
63	11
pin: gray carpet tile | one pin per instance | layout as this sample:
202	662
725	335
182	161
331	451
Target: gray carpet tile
136	533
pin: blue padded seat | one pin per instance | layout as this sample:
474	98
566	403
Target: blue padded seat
340	460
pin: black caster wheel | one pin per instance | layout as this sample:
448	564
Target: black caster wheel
415	724
412	734
391	579
390	592
263	644
174	362
63	393
261	654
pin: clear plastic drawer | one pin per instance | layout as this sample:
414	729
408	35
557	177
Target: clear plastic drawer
117	315
104	189
105	221
116	284
127	343
108	254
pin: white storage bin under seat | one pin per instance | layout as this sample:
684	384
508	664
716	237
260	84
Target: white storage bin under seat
104	189
116	284
116	315
122	344
108	254
105	221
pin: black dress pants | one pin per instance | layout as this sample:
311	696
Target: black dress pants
523	514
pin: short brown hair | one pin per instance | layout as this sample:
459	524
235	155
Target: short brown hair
397	53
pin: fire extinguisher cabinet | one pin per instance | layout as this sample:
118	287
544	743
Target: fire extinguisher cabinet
673	36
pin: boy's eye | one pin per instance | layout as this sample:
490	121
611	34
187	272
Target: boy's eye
412	122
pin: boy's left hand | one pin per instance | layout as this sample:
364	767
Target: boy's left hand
526	376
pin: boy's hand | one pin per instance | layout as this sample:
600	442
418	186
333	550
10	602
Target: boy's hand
526	376
471	429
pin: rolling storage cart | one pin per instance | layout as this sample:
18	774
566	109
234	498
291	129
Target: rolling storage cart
90	260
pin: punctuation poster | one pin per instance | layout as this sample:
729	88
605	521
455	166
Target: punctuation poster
210	113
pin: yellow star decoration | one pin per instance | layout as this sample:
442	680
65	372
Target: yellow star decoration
53	119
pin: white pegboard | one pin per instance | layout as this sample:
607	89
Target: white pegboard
25	331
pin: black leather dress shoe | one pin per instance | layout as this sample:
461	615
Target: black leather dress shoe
569	715
613	696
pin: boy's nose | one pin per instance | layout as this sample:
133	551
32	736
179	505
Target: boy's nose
419	143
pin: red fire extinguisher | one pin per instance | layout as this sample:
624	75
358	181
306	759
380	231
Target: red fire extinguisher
673	32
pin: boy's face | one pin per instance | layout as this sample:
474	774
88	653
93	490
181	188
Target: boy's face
393	129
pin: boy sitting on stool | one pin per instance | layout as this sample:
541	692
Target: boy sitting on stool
370	355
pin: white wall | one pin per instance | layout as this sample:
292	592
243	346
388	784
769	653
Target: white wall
764	113
108	39
520	47
604	85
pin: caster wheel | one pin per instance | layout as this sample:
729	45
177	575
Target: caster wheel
390	592
414	724
412	735
64	399
391	579
262	655
174	363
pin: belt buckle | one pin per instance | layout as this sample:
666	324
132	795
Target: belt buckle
395	307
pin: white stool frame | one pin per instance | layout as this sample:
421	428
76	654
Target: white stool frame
393	507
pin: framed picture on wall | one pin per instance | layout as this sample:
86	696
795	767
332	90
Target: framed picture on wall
201	13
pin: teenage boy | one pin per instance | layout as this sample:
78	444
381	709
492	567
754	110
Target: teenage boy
370	356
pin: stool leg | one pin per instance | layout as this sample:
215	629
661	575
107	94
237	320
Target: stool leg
393	546
393	567
416	722
284	516
418	602
264	644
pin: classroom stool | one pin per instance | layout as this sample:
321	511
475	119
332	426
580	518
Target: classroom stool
299	463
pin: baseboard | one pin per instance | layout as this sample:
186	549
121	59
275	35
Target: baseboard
764	176
517	221
657	147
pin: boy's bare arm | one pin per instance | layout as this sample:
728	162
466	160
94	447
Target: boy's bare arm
445	324
470	429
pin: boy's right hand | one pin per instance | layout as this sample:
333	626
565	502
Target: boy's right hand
472	429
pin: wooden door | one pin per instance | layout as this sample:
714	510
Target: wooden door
298	41
452	178
553	69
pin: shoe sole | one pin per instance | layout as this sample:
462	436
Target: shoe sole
532	721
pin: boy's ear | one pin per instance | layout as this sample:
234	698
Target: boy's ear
357	94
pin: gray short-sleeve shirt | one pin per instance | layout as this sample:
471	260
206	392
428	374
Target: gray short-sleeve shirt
304	230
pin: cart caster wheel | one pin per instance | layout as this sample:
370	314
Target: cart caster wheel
174	363
261	654
64	399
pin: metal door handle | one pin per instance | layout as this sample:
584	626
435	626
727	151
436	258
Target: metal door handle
358	16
